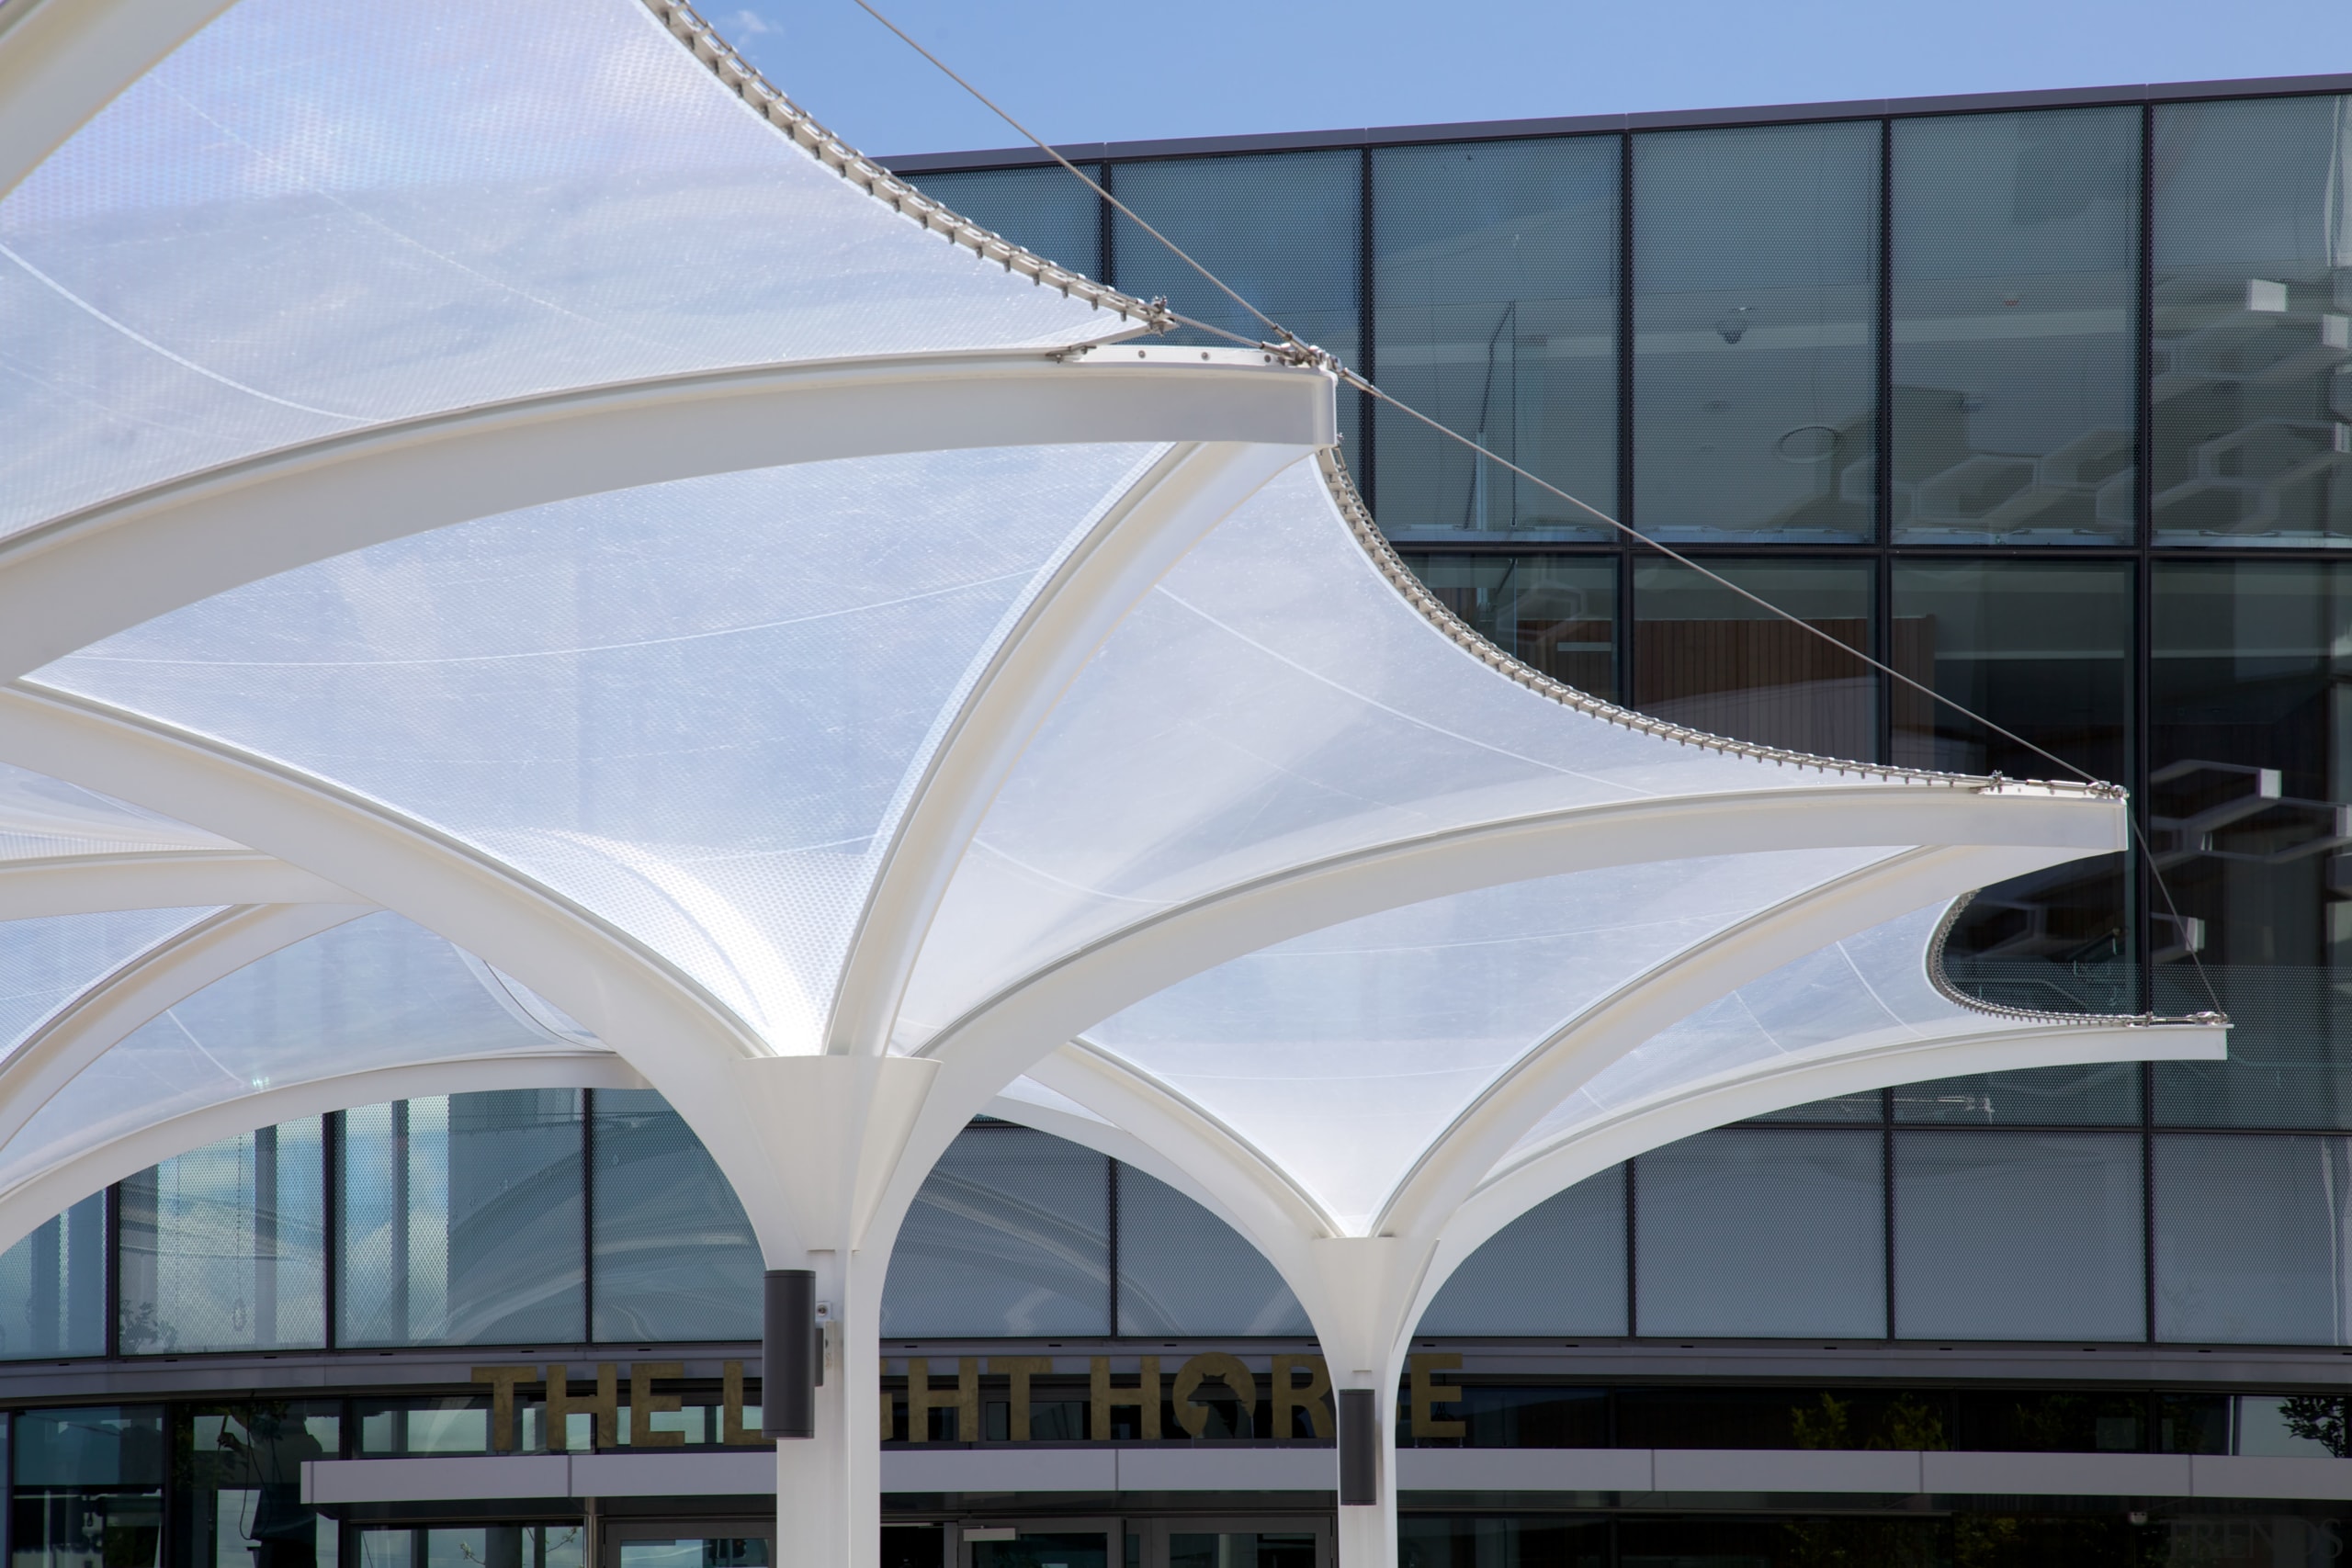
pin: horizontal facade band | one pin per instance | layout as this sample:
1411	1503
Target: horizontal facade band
329	1483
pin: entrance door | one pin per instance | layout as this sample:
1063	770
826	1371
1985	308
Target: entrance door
1041	1543
668	1543
1277	1543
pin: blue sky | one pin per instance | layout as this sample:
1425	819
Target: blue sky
1098	72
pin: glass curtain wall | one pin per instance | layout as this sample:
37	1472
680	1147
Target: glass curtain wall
1755	334
2252	391
1494	278
53	1287
224	1248
88	1488
461	1220
2014	240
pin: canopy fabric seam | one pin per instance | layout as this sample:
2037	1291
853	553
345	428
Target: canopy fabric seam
1958	998
734	71
1417	593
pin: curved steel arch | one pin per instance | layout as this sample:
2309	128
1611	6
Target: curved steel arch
77	579
155	879
1190	492
34	1199
62	60
144	989
999	1040
1603	1032
678	1037
1760	1087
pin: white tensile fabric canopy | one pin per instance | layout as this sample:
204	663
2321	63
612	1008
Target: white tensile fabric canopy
503	512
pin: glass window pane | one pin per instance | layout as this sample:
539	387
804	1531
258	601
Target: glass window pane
1793	1218
1281	229
1847	1109
1557	613
2042	649
224	1248
2092	1095
1495	313
2018	1235
1707	658
1010	1235
461	1220
2249	1239
1558	1268
675	1255
1044	210
1754	327
2250	695
2014	237
53	1287
237	1494
1183	1270
103	1446
2253	395
88	1488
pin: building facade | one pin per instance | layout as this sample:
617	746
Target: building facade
2046	402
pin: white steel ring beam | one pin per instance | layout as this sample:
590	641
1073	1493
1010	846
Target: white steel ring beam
1764	1086
38	1197
679	1038
62	60
77	579
1188	493
155	879
144	989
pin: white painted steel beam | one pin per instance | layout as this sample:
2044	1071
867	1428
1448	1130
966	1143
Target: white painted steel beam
33	1200
165	879
62	60
143	990
1189	493
683	1041
69	582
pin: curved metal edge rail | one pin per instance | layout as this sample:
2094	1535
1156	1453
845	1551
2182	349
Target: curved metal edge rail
1958	998
1402	578
689	28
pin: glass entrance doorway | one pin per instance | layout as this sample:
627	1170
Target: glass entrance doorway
1043	1543
1238	1543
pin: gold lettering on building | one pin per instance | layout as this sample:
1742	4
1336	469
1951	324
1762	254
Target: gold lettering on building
1226	1370
1428	1395
1102	1398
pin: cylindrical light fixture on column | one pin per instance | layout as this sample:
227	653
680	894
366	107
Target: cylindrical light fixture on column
789	1366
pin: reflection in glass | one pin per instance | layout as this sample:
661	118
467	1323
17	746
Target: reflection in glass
237	1493
1044	210
1557	613
1527	1541
1794	1216
224	1247
2089	1095
2042	649
2253	393
2014	239
1183	1270
2018	1235
461	1220
1495	310
1755	309
1074	1548
479	1546
1281	229
88	1488
1706	658
54	1286
1558	1268
1242	1549
2250	811
1010	1235
2249	1239
676	1256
